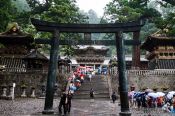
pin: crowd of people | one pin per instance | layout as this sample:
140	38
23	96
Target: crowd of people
66	97
75	83
152	99
137	99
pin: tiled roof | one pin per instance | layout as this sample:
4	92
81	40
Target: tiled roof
35	55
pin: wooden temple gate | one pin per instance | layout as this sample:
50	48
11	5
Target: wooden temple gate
117	28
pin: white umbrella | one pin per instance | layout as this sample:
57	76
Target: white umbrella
170	94
153	95
77	80
159	94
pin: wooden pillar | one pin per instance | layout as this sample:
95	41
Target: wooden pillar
123	84
52	73
136	52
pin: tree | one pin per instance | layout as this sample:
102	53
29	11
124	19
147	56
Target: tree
172	2
131	10
60	11
160	15
124	10
7	13
166	23
92	17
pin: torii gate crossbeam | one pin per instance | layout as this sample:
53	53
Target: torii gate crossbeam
117	28
87	42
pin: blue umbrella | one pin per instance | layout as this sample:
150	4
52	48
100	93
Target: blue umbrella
138	94
73	88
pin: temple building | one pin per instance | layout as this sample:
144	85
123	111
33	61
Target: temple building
36	61
15	45
128	59
93	56
23	67
160	52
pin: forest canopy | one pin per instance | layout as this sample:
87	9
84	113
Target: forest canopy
159	16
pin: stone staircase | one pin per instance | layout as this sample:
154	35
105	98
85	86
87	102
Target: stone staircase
98	83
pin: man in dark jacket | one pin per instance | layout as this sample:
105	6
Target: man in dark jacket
69	99
63	102
114	97
92	93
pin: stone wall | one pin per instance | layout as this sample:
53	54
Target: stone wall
30	80
153	79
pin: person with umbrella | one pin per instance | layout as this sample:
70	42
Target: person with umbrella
173	104
131	95
138	96
166	107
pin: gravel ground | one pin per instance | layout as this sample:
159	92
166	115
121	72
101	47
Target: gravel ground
34	107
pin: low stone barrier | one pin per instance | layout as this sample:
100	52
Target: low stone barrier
28	84
154	79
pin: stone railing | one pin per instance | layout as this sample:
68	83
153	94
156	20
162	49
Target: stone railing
24	70
7	69
151	72
28	84
154	79
148	72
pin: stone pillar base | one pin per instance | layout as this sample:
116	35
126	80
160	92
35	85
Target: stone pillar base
48	112
125	114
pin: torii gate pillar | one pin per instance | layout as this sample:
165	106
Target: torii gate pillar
52	73
123	84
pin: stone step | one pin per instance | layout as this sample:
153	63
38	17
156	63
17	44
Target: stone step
96	79
96	82
87	91
99	85
87	96
94	87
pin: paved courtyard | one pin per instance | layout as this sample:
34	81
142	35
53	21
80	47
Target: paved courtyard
87	107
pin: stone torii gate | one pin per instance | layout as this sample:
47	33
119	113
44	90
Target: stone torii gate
117	28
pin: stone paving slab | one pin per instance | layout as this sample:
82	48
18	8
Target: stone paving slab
80	107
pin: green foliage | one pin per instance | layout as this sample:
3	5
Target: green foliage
60	11
166	24
92	17
67	51
161	23
165	2
160	15
124	10
7	13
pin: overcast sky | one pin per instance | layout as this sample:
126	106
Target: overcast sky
96	5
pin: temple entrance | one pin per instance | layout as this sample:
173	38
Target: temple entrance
117	28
